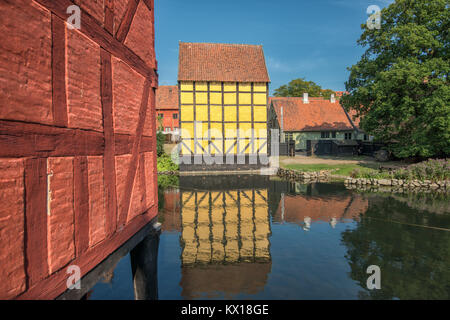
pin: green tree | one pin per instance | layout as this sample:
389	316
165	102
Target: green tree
400	87
297	87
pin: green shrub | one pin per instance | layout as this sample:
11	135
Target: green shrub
432	169
160	139
165	163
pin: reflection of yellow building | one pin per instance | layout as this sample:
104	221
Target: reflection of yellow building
223	100
228	226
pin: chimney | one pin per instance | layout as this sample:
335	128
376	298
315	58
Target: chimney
281	122
333	99
305	97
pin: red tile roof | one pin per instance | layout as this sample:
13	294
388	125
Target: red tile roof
167	97
317	115
221	62
340	93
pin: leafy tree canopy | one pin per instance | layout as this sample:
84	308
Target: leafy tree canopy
400	88
297	87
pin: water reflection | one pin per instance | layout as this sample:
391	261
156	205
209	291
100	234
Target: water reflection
304	204
410	245
228	227
255	237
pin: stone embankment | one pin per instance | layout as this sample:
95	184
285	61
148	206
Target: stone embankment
322	175
397	185
169	173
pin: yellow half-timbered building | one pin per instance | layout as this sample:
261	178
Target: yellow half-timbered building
223	100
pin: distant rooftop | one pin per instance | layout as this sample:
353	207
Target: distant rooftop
317	115
167	97
221	62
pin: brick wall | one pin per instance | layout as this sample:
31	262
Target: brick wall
77	137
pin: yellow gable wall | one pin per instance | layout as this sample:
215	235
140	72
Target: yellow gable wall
223	108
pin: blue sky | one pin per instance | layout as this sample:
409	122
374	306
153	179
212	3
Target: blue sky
315	39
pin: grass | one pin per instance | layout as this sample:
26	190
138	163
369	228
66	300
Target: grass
338	169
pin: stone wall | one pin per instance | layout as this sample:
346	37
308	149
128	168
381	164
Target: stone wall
77	137
318	176
397	185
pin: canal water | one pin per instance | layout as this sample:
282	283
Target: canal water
259	237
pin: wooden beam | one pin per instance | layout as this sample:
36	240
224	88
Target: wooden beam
36	255
81	204
124	144
91	29
109	16
109	161
149	4
19	139
59	100
131	174
127	19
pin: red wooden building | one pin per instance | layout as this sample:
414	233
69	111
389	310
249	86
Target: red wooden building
77	137
167	110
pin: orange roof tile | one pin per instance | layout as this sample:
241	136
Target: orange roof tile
167	97
317	115
221	62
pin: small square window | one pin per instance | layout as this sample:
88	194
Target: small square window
333	134
325	134
175	115
161	115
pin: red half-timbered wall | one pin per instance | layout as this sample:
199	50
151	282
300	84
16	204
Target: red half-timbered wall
77	137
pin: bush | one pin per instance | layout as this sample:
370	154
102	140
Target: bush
160	139
432	169
165	163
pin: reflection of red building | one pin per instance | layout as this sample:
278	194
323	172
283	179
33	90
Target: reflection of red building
171	212
295	209
167	108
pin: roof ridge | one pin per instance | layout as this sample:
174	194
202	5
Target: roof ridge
221	43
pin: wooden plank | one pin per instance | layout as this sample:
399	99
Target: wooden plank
109	16
51	287
127	19
109	162
59	72
91	29
124	144
36	220
142	175
131	174
81	204
149	4
19	139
